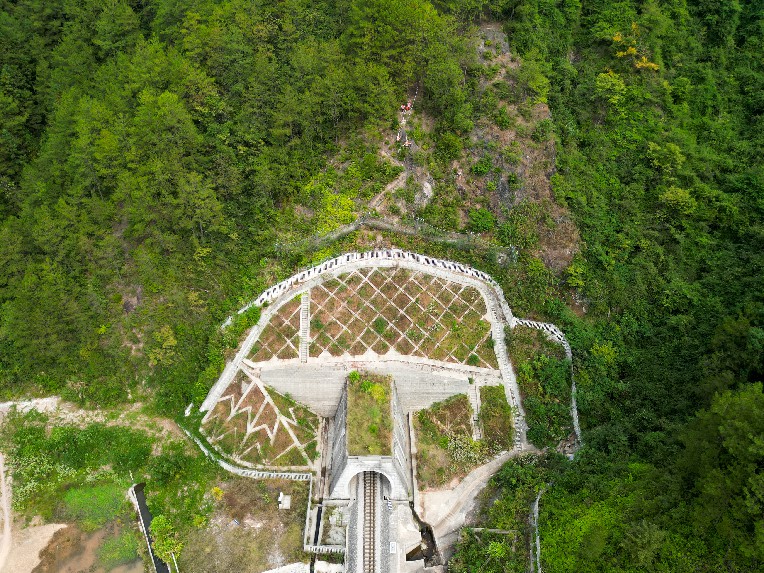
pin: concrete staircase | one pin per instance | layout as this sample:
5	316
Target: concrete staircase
474	396
304	326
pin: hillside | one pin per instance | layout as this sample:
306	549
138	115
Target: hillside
164	161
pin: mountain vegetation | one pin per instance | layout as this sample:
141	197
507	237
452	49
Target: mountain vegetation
159	157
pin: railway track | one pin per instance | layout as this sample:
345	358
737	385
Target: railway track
370	481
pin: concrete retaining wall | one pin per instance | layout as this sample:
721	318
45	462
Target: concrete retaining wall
318	387
339	453
401	448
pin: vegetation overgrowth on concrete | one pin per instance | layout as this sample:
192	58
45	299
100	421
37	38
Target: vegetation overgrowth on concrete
543	375
495	418
446	450
369	419
437	427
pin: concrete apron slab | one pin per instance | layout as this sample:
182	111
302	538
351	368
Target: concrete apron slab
318	384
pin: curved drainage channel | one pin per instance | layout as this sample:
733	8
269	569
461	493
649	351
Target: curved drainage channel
144	515
427	550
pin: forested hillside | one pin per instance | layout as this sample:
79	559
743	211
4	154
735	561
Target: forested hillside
153	156
157	156
657	108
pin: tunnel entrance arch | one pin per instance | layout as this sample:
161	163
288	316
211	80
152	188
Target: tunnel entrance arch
381	465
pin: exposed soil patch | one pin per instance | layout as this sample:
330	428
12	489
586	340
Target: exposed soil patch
28	542
73	551
248	533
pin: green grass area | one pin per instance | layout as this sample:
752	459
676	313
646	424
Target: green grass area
496	418
119	549
369	420
448	326
307	426
543	375
292	458
94	506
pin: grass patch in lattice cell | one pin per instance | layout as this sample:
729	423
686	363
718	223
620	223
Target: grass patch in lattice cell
379	325
369	419
414	334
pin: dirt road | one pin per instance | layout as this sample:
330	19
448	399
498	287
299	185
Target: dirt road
5	543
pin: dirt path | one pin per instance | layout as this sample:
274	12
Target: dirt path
396	183
5	544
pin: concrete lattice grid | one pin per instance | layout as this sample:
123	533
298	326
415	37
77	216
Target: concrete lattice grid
410	312
257	427
281	336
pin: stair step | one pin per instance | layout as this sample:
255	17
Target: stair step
304	326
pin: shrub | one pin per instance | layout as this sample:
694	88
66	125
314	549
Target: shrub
483	166
502	119
481	220
542	131
379	325
448	147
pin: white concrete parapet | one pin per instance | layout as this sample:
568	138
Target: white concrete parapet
374	257
324	549
551	331
291	568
